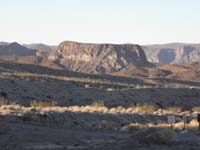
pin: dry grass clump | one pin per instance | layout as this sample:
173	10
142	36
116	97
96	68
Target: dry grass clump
96	107
11	109
98	104
163	125
42	104
196	109
177	126
172	110
193	124
146	108
6	112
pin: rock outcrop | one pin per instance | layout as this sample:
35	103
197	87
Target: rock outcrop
98	58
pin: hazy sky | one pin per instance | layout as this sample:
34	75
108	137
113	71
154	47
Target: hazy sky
115	21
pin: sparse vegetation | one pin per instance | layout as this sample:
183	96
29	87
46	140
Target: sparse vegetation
43	104
196	109
172	110
147	108
98	104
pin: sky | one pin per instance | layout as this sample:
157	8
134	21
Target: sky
100	21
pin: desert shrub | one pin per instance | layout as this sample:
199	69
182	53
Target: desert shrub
196	109
98	104
173	110
147	108
43	104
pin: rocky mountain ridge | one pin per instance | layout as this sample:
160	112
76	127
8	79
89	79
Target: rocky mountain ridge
98	58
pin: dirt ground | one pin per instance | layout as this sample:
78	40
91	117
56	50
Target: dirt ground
33	137
27	136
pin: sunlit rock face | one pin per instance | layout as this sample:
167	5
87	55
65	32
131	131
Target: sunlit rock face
98	58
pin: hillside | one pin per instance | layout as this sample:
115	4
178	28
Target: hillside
184	72
24	83
15	49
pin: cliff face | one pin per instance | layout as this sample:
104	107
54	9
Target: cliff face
173	53
98	58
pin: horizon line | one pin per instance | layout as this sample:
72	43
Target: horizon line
117	43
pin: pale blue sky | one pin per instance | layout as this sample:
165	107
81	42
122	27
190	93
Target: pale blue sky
99	21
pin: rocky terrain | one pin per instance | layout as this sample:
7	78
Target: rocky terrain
176	53
95	96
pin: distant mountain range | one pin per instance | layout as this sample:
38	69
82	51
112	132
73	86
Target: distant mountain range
80	57
175	53
39	46
115	59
